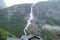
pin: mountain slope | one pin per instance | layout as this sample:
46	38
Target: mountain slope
47	17
14	18
4	34
47	13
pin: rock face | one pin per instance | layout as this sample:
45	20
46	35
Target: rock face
47	13
34	30
2	4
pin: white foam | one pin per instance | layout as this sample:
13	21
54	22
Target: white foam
29	21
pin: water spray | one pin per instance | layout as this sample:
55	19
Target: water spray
29	21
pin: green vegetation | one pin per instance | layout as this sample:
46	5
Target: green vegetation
4	34
13	19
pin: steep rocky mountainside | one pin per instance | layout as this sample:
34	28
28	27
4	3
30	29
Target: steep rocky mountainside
47	13
14	18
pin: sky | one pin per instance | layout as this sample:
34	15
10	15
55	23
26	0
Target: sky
14	2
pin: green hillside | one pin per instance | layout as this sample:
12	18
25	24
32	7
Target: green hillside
4	34
13	19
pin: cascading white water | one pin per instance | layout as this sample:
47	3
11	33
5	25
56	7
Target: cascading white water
29	21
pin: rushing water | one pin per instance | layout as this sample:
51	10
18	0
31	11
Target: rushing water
50	28
29	21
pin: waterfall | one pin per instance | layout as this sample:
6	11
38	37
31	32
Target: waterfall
29	21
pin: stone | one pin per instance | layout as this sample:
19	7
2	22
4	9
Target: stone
13	39
30	37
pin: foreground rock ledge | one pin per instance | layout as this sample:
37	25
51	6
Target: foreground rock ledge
28	37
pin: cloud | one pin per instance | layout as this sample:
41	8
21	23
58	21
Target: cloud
13	2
